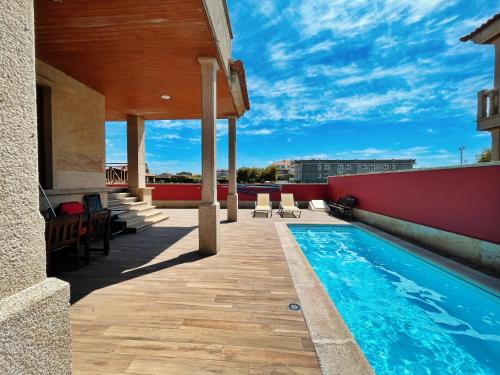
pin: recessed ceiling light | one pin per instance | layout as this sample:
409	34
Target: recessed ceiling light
165	97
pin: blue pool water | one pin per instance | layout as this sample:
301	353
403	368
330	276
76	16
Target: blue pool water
407	315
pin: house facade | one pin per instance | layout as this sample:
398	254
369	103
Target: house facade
283	167
317	171
488	100
67	67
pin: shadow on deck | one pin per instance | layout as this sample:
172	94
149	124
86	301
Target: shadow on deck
130	257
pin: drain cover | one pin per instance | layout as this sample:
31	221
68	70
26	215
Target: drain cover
293	306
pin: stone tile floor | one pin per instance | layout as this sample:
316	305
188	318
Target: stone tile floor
154	306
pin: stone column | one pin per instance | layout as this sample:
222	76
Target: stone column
209	210
232	196
35	334
135	152
136	159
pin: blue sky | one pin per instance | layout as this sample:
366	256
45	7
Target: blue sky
343	79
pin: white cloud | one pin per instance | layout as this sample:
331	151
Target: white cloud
168	136
261	131
349	18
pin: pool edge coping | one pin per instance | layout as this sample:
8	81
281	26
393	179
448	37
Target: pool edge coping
335	346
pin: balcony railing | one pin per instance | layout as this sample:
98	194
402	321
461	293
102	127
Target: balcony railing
116	173
488	109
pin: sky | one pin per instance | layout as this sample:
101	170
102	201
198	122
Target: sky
343	79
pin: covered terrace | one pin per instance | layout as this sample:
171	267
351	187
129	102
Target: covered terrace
67	67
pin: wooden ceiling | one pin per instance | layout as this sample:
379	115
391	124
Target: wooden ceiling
133	52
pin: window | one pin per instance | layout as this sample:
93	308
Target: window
386	166
319	167
319	175
372	168
394	166
340	168
365	166
326	167
348	167
327	174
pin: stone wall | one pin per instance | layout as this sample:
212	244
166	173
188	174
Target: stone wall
34	311
78	133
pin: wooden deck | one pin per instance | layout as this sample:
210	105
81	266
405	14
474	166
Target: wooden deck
155	306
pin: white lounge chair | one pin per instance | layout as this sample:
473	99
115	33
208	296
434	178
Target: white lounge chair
288	206
263	205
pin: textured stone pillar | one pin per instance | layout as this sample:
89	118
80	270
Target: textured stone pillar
209	210
495	144
136	152
232	196
35	336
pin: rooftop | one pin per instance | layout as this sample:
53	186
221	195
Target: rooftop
492	21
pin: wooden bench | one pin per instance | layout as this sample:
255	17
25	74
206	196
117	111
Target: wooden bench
343	206
61	233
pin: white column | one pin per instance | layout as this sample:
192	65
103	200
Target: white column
209	210
232	197
135	152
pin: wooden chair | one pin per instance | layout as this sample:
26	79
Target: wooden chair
63	233
97	229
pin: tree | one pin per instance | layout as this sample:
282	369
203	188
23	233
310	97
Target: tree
484	156
256	175
269	174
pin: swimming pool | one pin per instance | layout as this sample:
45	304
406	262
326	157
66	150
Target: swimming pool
407	315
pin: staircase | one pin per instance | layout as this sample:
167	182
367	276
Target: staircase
137	215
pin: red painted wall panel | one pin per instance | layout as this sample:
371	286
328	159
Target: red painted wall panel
192	192
463	200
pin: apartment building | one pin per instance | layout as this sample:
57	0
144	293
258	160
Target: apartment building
313	171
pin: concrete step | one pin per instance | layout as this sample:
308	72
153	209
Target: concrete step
130	215
140	225
144	218
112	196
121	202
132	206
125	199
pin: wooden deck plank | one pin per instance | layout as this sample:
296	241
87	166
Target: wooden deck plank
155	306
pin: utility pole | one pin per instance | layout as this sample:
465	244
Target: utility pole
461	149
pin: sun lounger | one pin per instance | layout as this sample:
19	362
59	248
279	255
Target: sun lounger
288	205
263	205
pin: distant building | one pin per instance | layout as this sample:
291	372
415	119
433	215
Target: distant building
488	107
319	170
283	167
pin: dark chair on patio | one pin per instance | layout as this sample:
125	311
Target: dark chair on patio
97	229
92	202
63	233
343	207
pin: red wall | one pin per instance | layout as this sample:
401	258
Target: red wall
192	192
463	200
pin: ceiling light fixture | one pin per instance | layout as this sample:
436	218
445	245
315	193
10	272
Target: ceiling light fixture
165	97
